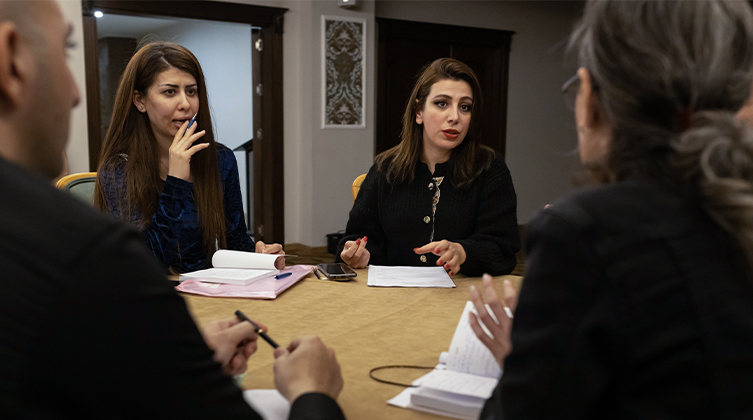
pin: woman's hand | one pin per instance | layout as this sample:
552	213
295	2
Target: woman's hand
498	339
355	253
451	254
183	149
233	342
262	248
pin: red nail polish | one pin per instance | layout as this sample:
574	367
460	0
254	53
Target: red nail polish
365	238
437	250
415	249
447	266
439	262
358	242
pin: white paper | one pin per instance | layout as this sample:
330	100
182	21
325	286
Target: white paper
226	258
383	276
269	403
402	400
467	353
228	275
450	403
459	383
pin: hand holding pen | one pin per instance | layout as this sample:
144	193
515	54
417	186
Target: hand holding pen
233	342
183	148
259	330
355	254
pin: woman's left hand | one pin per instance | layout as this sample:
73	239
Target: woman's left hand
451	254
262	248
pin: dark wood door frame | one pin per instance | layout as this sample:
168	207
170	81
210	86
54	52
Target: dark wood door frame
454	41
269	223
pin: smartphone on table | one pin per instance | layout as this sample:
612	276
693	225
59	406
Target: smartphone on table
338	271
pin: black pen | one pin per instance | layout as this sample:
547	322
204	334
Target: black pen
259	331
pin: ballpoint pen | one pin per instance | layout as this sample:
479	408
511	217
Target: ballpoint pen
282	276
259	331
192	120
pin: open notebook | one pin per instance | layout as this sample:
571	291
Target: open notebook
237	267
462	381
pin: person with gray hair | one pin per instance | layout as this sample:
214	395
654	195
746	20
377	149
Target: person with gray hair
638	300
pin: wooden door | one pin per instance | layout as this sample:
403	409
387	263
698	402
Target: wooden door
405	47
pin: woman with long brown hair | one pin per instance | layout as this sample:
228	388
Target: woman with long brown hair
439	197
171	181
637	302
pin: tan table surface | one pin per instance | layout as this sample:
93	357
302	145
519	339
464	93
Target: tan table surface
367	327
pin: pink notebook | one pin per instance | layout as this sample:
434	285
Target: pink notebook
264	288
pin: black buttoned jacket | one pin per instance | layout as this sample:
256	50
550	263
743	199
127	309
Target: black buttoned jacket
398	218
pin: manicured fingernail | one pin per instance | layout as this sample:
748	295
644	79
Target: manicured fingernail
508	312
415	249
365	238
440	262
436	250
358	242
447	266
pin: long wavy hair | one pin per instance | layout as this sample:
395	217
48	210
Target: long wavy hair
469	158
671	75
130	143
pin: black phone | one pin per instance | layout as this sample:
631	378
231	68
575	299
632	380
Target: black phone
337	271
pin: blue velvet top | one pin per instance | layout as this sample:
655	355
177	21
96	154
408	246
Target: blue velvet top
174	235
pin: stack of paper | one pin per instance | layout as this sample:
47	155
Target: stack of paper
383	276
462	382
265	287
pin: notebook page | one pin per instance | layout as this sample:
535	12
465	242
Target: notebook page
467	353
226	258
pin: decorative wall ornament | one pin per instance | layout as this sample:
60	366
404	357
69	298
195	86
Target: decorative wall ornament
343	73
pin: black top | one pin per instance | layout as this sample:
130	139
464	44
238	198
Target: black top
398	218
89	326
636	305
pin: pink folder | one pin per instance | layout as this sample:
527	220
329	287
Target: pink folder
265	288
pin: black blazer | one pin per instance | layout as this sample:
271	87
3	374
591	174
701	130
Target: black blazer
636	305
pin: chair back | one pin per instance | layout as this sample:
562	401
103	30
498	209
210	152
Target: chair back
79	185
357	185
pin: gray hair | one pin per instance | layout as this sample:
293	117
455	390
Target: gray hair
669	76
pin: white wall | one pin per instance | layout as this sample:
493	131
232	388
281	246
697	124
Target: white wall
224	51
321	164
78	143
540	129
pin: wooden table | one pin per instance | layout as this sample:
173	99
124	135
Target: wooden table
367	327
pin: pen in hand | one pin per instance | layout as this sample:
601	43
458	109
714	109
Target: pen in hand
259	331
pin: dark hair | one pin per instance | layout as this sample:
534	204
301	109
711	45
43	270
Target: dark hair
130	135
469	158
671	75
